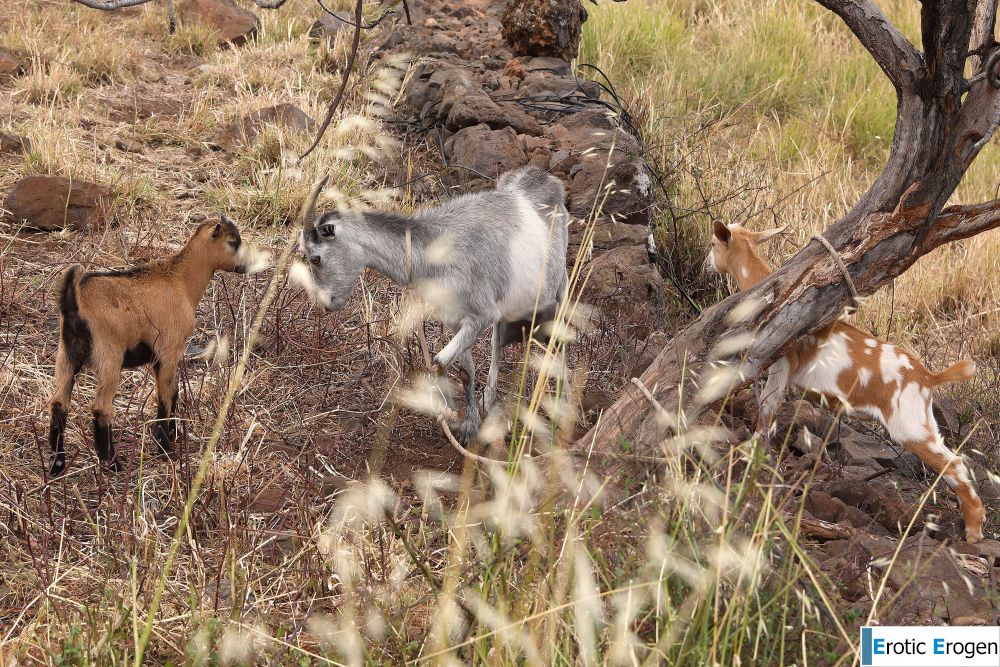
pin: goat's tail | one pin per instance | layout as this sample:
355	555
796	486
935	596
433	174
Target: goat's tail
963	370
66	293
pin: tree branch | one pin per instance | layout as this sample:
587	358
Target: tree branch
898	59
983	26
961	222
110	5
355	45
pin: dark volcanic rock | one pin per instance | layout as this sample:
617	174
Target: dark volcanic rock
10	66
234	24
544	27
487	152
55	202
625	276
14	145
244	131
628	186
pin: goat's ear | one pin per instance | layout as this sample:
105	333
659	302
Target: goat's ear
217	230
721	231
769	234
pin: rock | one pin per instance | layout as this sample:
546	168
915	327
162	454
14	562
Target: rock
546	86
55	202
948	416
608	235
544	27
969	620
628	186
805	442
425	91
990	550
14	145
625	276
824	506
327	27
487	152
909	465
234	24
514	69
561	161
851	491
10	67
476	108
857	448
244	131
443	43
557	66
928	580
128	145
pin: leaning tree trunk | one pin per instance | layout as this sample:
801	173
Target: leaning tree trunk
943	121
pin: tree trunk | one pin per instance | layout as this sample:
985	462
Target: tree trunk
943	121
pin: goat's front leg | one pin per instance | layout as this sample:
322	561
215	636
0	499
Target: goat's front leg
468	333
457	347
103	407
165	426
58	411
774	396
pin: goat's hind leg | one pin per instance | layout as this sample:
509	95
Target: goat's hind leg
102	409
940	459
165	426
59	410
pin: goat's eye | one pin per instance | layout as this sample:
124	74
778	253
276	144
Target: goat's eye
234	244
326	231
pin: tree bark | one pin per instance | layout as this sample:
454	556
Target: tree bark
943	121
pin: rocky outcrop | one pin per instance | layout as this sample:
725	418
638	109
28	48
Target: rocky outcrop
234	24
55	202
544	27
244	131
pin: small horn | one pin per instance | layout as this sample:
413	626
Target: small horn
309	207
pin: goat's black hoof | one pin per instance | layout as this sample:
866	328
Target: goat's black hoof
58	465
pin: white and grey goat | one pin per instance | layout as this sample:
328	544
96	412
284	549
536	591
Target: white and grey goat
487	259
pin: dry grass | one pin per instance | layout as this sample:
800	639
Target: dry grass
432	560
769	113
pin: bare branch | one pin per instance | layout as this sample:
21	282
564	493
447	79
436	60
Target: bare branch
355	45
961	222
898	59
364	26
111	5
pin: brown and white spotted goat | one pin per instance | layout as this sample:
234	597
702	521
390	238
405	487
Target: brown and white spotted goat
869	377
124	319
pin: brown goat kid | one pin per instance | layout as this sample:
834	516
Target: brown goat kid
124	319
869	377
